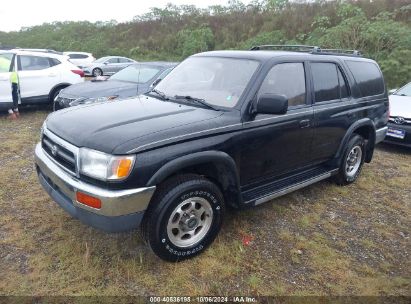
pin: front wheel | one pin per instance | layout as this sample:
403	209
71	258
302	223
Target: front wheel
352	161
97	72
186	216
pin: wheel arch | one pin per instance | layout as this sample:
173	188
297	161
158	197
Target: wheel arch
217	166
61	86
364	127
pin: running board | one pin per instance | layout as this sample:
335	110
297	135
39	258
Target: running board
277	192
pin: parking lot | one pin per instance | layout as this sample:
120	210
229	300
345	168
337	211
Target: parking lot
323	239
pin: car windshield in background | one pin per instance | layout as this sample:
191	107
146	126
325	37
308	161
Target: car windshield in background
136	73
101	60
404	91
218	81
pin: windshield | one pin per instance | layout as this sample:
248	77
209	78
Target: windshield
218	81
404	91
136	73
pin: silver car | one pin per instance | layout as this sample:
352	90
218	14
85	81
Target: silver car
107	66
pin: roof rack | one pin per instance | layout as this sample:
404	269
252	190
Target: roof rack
307	49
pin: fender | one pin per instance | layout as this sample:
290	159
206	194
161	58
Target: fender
365	122
227	174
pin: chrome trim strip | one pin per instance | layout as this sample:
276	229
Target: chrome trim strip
380	134
75	150
295	187
113	202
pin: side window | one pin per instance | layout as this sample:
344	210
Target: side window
343	85
326	84
286	79
123	60
5	62
112	60
33	63
77	56
54	62
368	77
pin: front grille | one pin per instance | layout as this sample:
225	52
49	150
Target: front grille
398	120
60	154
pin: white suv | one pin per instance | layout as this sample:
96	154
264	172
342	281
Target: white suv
41	76
80	59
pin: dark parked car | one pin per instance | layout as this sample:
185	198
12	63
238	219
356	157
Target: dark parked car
226	128
131	81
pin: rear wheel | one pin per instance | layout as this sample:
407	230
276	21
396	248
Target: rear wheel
97	72
186	216
352	161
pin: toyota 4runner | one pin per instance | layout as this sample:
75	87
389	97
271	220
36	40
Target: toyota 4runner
224	128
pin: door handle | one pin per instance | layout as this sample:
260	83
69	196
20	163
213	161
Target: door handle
305	123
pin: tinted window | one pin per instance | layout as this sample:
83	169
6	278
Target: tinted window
77	56
33	63
286	79
124	60
5	62
343	85
368	77
326	83
54	62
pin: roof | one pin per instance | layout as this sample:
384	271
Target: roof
264	55
35	53
158	63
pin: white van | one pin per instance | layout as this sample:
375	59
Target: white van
41	76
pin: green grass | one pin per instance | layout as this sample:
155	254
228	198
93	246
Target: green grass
320	240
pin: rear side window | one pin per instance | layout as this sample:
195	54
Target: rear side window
33	63
368	77
113	60
286	79
326	84
54	62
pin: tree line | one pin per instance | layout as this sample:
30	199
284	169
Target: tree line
381	29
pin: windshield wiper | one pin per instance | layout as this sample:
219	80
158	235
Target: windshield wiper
197	100
159	93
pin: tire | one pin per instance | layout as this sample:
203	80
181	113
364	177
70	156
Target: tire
186	215
352	161
97	72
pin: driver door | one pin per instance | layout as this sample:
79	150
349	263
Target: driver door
275	145
6	63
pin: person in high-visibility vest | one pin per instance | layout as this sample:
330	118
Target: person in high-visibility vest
14	79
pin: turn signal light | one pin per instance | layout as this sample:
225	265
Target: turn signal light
88	200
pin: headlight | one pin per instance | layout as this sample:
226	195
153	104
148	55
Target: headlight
103	166
91	100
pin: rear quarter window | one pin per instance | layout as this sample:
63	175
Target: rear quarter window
368	77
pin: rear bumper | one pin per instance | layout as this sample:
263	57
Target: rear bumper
121	210
380	134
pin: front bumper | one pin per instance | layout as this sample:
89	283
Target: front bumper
406	141
121	210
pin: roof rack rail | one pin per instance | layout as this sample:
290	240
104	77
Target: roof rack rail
294	48
308	49
342	52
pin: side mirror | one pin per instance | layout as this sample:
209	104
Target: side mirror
155	82
272	104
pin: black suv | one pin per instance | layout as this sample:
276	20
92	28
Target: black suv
224	128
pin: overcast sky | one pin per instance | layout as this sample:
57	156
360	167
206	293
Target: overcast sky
21	13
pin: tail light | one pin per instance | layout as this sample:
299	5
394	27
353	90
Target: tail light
78	72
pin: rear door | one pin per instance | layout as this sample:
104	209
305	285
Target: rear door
112	66
6	60
38	75
332	108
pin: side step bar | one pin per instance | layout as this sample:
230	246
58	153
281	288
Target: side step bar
291	187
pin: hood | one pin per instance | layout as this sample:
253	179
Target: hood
120	126
400	106
101	89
